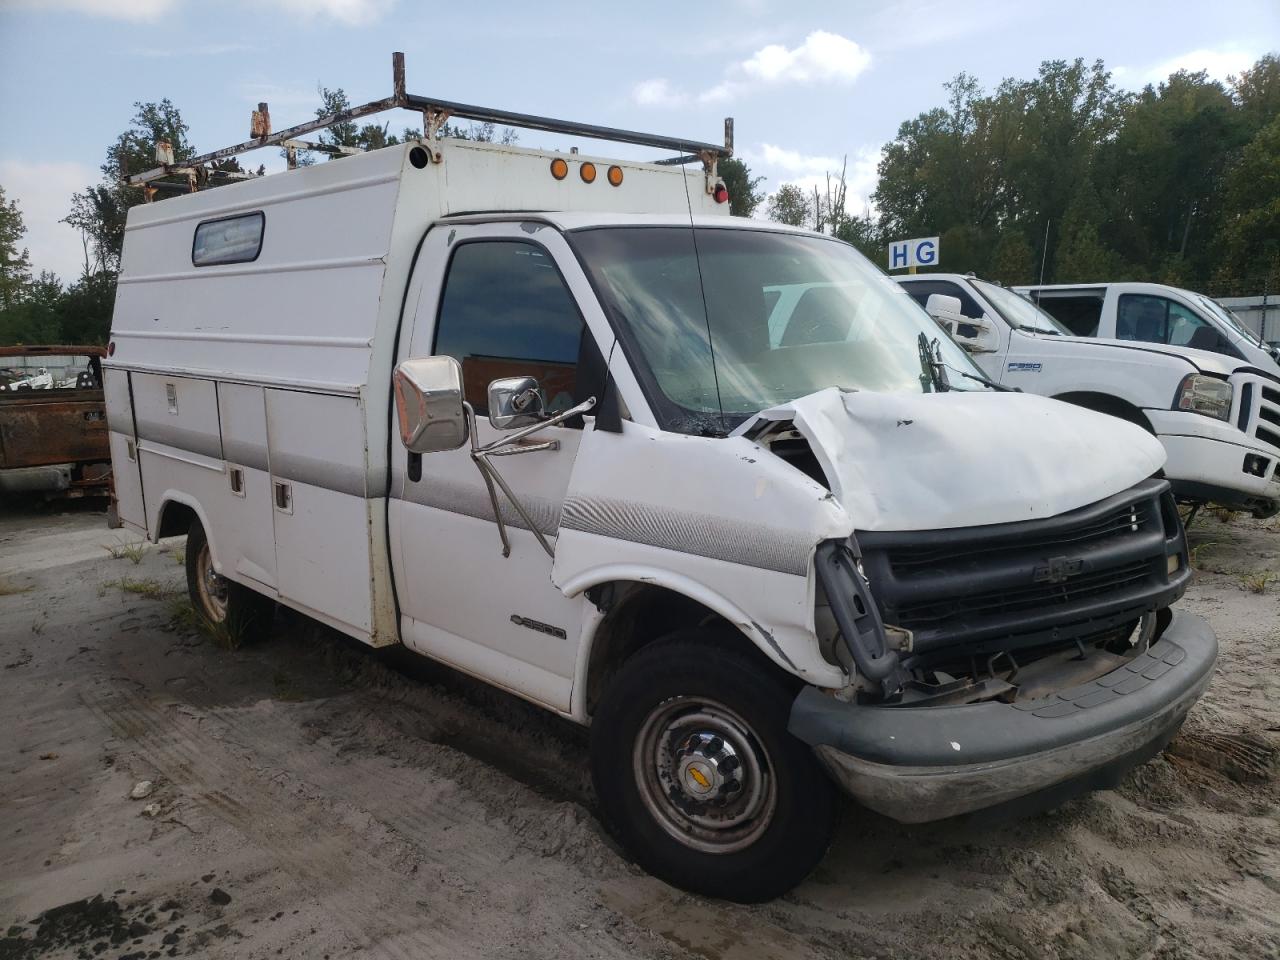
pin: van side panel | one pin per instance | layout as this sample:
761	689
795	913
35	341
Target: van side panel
318	472
248	537
124	454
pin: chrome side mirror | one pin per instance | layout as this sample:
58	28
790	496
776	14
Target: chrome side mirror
975	336
515	403
429	405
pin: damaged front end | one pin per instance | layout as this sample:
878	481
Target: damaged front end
1007	665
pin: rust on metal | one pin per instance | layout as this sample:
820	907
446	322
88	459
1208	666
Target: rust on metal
260	124
46	427
164	152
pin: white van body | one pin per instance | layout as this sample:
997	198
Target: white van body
1232	460
1154	313
258	332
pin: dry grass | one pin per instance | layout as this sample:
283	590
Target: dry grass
185	618
122	550
147	587
1258	581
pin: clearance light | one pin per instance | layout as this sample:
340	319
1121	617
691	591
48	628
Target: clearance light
588	171
615	176
111	349
720	193
559	169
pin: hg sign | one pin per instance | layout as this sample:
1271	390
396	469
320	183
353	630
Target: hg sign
922	252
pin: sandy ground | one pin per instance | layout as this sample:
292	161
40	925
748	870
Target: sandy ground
312	799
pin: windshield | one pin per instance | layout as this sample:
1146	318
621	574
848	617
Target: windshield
784	316
1229	318
1018	311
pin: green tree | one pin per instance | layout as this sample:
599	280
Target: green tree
744	192
1251	222
1013	260
99	212
1257	92
36	318
790	206
15	262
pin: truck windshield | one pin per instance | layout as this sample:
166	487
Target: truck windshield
1018	311
783	316
1230	319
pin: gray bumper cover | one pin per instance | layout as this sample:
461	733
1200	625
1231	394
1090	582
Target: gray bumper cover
916	764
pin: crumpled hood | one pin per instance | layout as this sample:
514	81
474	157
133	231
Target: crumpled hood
960	459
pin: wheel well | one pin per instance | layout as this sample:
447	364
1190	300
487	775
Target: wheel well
1105	403
638	614
175	519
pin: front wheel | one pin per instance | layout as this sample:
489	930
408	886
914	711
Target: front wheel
233	612
698	777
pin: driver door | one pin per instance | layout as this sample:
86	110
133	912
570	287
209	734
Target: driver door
501	309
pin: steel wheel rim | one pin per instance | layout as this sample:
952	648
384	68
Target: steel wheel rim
704	775
212	588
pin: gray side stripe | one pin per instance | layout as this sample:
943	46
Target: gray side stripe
339	477
245	453
193	441
472	500
718	538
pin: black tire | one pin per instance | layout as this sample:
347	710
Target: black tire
649	740
233	612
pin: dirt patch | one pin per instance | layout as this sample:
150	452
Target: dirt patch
313	798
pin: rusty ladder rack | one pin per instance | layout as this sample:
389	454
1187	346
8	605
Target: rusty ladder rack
435	114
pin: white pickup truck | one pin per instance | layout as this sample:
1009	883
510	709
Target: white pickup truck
523	412
1154	313
1217	416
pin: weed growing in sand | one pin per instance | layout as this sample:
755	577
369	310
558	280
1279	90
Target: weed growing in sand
148	587
285	689
120	550
8	589
185	618
1195	551
1258	581
180	557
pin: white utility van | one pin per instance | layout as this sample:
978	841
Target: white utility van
1154	313
1217	416
521	411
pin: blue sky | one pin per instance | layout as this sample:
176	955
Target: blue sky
807	83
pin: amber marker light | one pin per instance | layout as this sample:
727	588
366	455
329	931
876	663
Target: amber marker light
615	176
559	169
588	172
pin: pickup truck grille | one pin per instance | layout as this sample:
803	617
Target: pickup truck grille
1259	408
1022	584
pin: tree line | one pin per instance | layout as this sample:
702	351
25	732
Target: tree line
1063	176
1069	178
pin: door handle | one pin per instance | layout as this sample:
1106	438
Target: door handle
282	496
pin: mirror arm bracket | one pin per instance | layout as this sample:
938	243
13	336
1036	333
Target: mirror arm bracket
505	446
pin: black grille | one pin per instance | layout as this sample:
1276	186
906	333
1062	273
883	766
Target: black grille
1130	517
1019	584
1271	393
1268	436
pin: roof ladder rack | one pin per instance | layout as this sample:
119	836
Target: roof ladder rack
435	114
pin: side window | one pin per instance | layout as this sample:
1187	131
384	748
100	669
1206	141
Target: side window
921	290
1155	319
1081	314
506	312
228	240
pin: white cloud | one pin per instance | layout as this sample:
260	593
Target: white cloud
822	58
657	92
1218	64
350	12
810	171
792	161
137	10
43	192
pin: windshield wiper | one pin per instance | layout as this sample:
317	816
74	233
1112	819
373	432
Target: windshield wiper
931	366
1003	388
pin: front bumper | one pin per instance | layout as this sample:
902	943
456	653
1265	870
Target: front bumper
916	764
1209	460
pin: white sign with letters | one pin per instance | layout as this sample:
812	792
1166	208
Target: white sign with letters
921	252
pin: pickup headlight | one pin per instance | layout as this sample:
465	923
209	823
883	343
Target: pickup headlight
1208	395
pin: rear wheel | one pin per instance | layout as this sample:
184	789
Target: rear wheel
232	610
698	777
